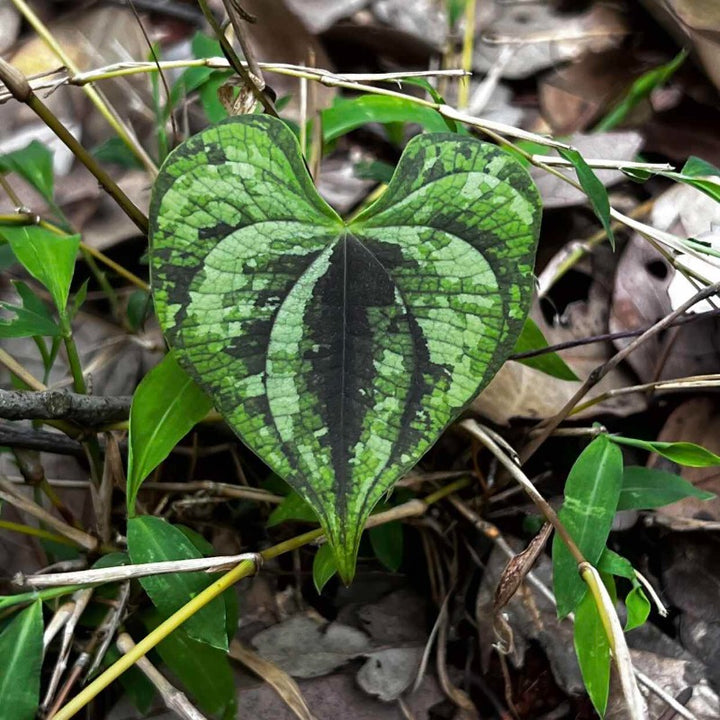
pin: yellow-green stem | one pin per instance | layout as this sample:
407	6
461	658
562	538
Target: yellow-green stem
467	53
35	532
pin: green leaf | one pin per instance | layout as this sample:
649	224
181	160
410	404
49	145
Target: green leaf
639	90
166	405
151	539
293	507
32	319
593	652
48	257
591	496
21	653
346	115
696	172
137	308
34	163
531	338
115	151
338	351
613	564
594	189
682	453
455	10
203	670
646	488
377	170
387	544
323	567
638	608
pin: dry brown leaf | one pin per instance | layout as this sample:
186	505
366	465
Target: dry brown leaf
640	298
541	36
281	682
532	617
319	15
520	391
574	96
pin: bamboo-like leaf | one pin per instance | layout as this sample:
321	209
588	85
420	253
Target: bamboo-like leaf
594	189
593	650
591	496
682	453
21	651
531	338
339	351
647	488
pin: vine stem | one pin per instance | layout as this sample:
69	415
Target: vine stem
240	571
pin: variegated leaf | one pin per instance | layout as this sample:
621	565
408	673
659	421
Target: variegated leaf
339	351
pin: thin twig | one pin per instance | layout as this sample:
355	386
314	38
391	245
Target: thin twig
85	410
98	576
9	494
609	337
174	699
546	427
474	428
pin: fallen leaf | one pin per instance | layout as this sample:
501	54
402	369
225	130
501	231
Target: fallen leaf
576	95
319	15
388	673
336	697
305	648
647	289
423	19
541	36
673	675
279	680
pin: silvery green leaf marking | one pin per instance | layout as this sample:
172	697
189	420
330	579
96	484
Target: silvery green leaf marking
339	351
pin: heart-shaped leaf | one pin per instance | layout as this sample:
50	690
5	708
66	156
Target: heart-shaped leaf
339	351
